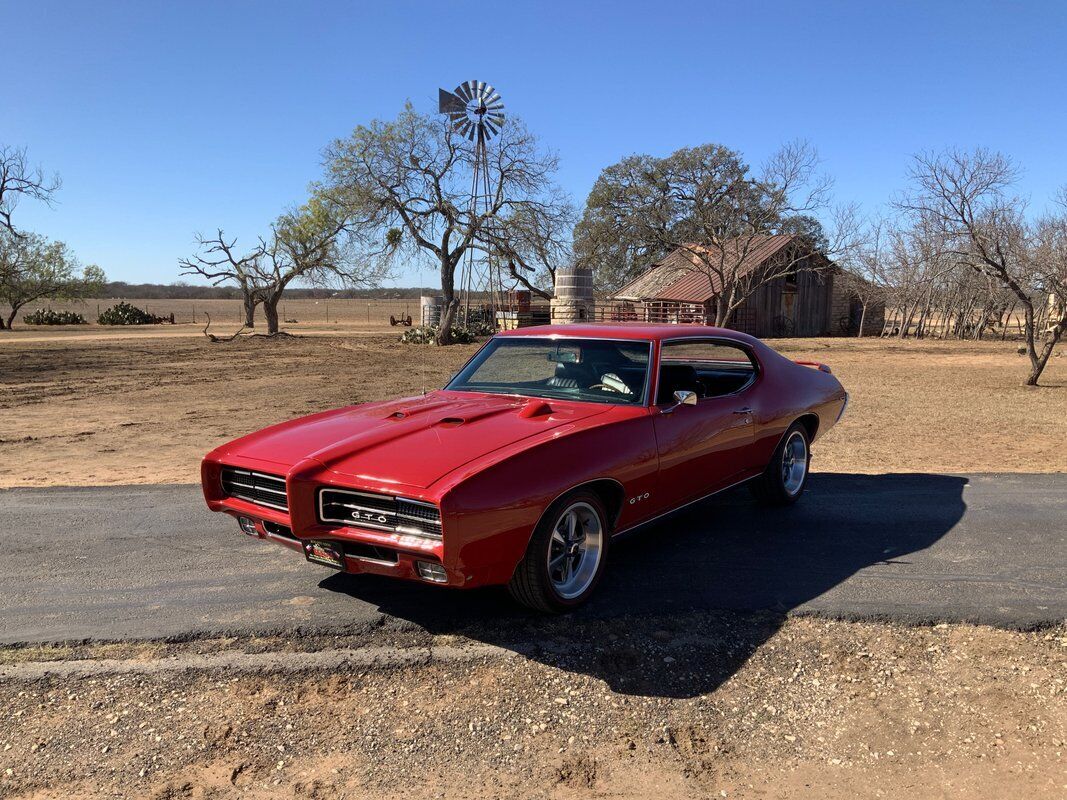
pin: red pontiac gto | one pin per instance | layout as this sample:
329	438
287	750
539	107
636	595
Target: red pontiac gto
549	442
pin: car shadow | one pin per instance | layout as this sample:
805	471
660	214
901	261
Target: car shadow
687	600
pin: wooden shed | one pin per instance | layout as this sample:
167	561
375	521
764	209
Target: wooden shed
798	301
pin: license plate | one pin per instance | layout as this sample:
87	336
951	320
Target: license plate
326	553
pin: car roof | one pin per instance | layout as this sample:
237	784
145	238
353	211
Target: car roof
641	331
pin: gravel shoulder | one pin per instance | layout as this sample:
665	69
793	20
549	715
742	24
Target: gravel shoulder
677	707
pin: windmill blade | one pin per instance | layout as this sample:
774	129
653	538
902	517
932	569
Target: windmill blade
493	131
496	119
491	96
448	103
464	93
472	90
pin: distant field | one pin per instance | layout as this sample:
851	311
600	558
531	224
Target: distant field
229	313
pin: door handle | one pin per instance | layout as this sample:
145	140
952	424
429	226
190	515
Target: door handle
743	411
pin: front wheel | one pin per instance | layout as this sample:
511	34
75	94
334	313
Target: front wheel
566	555
782	483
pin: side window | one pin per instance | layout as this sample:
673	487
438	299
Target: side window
711	368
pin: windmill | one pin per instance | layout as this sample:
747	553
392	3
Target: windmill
476	112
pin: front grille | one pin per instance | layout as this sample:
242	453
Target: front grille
379	512
422	517
255	487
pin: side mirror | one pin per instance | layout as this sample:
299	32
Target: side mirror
681	398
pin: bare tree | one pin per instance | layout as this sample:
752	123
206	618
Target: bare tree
1049	267
969	197
312	244
864	274
33	268
219	263
407	184
706	204
17	180
534	241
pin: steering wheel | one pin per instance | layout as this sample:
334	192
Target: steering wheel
612	383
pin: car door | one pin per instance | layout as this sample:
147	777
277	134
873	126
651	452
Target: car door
706	446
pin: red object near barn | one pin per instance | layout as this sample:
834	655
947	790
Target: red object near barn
548	443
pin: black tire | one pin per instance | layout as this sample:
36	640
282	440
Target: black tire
531	585
772	488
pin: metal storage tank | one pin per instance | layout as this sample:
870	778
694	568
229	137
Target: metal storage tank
430	309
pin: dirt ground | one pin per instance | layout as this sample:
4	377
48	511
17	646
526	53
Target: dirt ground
679	708
95	406
709	705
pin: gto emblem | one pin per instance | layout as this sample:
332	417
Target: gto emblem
366	516
639	498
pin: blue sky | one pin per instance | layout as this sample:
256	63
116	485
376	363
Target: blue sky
168	118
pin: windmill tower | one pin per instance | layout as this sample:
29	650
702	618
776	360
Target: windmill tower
476	112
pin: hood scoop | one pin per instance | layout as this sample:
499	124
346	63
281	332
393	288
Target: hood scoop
534	409
450	422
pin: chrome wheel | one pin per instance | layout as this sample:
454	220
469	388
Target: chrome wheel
794	463
575	549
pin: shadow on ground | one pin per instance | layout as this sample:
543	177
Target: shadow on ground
727	567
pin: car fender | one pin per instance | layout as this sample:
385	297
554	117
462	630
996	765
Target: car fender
490	515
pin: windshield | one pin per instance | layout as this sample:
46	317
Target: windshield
594	370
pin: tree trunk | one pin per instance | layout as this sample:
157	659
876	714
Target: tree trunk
250	308
448	317
448	296
863	319
2	326
270	311
11	318
1039	360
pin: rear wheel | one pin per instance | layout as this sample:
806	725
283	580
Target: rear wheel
566	555
782	483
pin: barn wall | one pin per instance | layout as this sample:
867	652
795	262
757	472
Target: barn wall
812	313
764	313
846	312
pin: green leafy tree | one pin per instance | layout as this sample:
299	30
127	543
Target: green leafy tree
33	268
709	204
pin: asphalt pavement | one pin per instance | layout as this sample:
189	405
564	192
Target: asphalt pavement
136	562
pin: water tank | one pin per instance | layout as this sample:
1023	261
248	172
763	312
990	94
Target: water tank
430	309
573	300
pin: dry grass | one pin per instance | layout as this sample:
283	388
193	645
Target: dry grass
114	407
932	406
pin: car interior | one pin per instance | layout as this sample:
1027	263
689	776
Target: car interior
611	371
710	369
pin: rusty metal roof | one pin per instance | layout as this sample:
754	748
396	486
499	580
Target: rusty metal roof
681	276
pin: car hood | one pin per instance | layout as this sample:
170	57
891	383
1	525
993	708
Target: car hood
414	441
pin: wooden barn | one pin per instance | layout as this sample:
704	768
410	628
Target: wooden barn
799	302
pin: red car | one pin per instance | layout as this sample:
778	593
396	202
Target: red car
548	443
